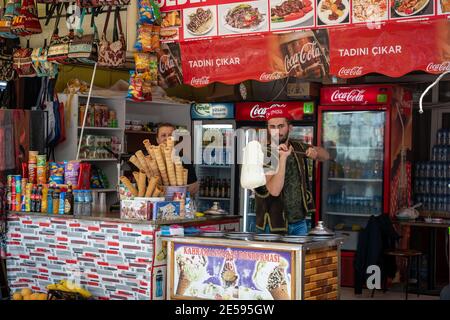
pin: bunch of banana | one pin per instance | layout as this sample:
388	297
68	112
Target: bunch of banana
69	286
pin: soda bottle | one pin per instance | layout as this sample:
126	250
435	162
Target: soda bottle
223	192
426	187
50	200
38	199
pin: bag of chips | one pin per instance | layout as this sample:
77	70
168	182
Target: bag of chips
56	173
144	39
71	172
149	12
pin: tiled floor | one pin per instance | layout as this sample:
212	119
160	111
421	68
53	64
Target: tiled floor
348	294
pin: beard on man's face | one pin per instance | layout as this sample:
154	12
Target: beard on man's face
283	139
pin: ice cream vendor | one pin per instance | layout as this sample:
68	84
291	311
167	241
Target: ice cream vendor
286	199
164	131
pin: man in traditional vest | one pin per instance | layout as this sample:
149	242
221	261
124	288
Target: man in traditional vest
286	199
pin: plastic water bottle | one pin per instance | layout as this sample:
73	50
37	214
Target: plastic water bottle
87	210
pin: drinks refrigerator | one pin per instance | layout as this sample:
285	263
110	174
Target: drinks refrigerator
368	132
252	125
213	127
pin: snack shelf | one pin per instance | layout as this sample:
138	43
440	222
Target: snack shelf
98	160
101	128
139	132
103	190
214	198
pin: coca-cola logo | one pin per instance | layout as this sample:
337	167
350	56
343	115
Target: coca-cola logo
354	95
203	81
438	67
260	112
166	63
272	76
308	52
355	71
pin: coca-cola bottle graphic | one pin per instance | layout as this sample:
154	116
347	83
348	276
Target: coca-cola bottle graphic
304	56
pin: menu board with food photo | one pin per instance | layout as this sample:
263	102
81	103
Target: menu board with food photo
333	12
443	6
411	8
170	25
224	273
241	18
370	10
291	14
200	22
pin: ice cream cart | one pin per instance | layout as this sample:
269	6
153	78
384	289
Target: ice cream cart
222	268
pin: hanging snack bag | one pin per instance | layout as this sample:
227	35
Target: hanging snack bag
154	70
155	38
135	88
144	39
142	62
72	170
149	12
56	173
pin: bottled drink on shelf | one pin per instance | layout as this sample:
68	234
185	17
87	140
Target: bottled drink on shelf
201	190
38	199
55	201
68	202
223	191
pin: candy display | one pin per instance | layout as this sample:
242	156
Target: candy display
98	115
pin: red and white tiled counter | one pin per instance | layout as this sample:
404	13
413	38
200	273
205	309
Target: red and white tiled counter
112	258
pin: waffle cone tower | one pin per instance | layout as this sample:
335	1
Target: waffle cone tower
156	170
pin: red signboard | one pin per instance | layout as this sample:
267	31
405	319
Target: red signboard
256	111
360	95
224	60
393	50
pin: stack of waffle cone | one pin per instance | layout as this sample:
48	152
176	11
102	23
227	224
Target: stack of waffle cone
170	166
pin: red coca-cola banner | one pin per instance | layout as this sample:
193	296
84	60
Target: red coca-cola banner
256	111
263	58
393	49
225	60
361	95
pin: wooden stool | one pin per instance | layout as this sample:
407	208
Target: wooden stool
408	254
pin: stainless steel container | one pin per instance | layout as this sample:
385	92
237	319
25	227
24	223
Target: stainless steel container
240	235
267	237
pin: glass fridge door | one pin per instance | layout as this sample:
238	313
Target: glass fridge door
352	181
215	170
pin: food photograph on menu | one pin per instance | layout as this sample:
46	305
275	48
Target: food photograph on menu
411	8
290	14
443	6
333	12
239	18
200	22
370	10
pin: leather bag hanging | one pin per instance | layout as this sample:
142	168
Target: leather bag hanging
112	54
